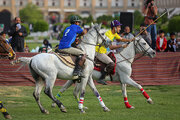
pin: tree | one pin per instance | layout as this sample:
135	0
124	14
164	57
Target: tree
104	19
30	14
174	24
138	18
88	19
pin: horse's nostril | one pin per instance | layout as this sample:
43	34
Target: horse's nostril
154	52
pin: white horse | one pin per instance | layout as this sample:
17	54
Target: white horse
45	68
123	71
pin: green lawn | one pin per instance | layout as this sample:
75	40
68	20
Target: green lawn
34	45
21	104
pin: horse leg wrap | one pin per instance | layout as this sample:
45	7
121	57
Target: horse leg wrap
144	93
101	101
127	103
81	101
58	95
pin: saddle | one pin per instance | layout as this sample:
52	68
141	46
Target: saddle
69	59
100	66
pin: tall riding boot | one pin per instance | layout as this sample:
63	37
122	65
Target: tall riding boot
78	68
101	79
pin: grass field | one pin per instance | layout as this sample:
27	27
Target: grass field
34	45
21	104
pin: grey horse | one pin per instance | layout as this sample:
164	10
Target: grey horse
123	71
46	67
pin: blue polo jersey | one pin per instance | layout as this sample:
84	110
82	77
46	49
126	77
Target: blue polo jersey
69	36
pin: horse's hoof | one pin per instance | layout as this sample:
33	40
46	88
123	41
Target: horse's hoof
8	117
82	111
149	100
53	105
45	112
63	109
106	109
132	107
84	107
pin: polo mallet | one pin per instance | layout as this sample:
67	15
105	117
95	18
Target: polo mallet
166	11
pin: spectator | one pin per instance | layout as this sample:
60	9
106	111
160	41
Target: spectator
18	32
161	42
150	12
127	35
43	50
172	44
26	49
145	35
31	27
3	34
46	46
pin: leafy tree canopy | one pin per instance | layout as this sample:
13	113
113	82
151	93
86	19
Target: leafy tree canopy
31	14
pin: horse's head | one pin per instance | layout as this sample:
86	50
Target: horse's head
141	46
99	34
6	48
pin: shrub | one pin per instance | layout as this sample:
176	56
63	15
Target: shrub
27	27
174	24
41	26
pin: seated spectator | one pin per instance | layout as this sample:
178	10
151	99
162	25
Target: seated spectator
127	35
3	34
46	44
26	49
161	42
46	47
145	35
172	44
43	50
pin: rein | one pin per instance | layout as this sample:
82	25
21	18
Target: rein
127	59
99	34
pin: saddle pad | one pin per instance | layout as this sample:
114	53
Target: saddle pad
67	60
97	67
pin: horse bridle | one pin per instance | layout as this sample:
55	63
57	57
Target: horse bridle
98	35
142	48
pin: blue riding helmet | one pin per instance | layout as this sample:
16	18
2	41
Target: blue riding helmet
115	23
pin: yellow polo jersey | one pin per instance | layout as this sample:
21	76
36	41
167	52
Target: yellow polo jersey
111	36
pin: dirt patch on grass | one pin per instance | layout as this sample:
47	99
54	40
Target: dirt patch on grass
9	91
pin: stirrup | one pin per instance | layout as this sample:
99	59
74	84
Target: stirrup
77	80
